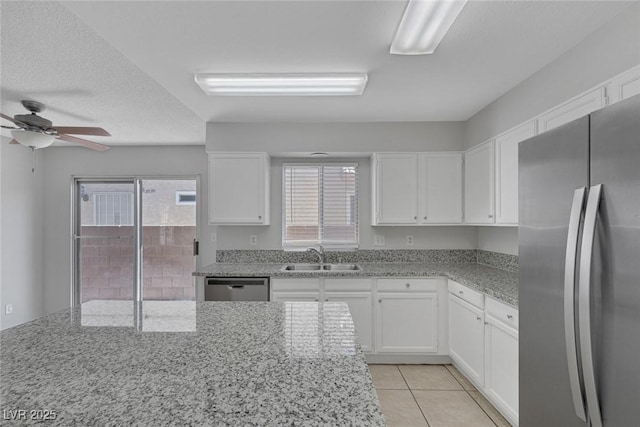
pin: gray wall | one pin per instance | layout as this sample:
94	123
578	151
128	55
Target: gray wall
610	50
21	241
61	163
345	138
270	237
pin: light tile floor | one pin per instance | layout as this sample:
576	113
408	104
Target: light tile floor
433	396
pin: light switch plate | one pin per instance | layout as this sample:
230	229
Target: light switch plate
378	240
8	309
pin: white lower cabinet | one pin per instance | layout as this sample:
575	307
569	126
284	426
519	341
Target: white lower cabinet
466	338
281	296
501	360
361	312
483	343
406	323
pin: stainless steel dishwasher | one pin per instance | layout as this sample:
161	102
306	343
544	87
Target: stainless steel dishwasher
236	289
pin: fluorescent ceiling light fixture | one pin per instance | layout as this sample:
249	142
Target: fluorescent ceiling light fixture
32	139
282	84
424	25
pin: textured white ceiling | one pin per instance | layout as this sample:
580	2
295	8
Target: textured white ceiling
128	66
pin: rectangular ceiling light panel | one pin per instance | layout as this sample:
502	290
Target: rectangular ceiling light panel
423	25
282	84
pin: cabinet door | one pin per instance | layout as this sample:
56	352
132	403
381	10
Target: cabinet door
295	296
466	338
440	188
507	172
238	185
479	187
396	189
565	113
501	367
407	322
624	85
361	312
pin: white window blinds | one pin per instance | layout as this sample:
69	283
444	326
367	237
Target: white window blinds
320	205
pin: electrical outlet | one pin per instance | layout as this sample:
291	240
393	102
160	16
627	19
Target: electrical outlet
253	240
378	240
8	309
214	237
409	240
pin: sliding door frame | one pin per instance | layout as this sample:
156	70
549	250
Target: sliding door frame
76	181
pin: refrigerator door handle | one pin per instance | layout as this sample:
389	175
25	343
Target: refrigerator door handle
584	305
569	301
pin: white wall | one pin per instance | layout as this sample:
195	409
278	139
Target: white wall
345	138
21	238
610	50
270	237
61	163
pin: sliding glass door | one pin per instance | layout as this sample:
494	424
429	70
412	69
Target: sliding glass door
134	239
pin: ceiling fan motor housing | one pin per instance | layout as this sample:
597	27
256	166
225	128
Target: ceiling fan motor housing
35	122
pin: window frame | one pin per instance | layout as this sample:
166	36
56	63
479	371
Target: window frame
353	209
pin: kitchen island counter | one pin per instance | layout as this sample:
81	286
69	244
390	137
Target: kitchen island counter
188	363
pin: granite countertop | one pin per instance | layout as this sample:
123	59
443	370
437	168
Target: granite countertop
188	363
499	284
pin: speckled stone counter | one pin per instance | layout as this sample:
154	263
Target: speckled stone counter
226	364
499	284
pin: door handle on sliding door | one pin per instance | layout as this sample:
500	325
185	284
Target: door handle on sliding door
586	352
569	301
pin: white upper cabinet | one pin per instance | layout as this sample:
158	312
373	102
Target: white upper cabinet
440	188
572	110
507	172
417	188
239	188
395	189
624	85
479	184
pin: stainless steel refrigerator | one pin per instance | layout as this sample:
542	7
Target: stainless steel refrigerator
579	274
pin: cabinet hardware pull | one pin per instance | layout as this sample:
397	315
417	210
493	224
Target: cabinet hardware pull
425	217
461	292
259	216
316	299
509	316
326	299
379	300
477	317
408	285
490	216
415	217
486	323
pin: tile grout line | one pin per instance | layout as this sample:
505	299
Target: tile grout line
469	394
413	396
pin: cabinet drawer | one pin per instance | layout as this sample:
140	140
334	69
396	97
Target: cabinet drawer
469	295
408	285
347	285
295	284
502	312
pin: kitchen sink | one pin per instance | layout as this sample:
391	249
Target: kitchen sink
341	267
302	267
321	267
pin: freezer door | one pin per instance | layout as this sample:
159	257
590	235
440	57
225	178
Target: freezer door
551	166
615	163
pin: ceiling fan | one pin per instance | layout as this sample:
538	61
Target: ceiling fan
37	132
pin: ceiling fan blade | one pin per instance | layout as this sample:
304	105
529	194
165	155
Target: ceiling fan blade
83	142
7	117
82	130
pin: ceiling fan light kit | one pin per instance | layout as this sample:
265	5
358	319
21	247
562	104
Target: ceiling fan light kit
282	84
424	25
32	139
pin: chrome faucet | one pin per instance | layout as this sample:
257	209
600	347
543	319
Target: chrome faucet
319	252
